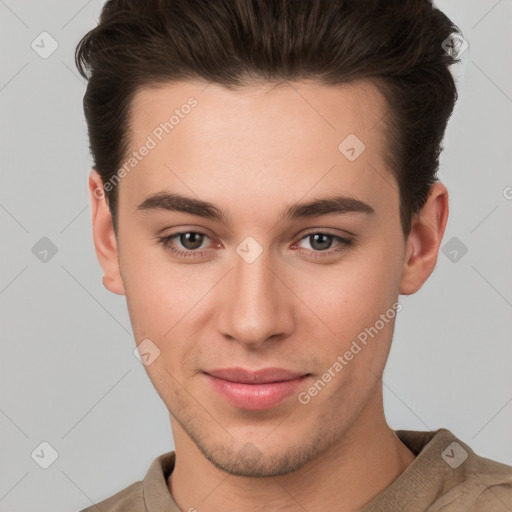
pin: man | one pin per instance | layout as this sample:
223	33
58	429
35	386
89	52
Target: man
264	188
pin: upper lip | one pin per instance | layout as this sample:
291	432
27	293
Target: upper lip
263	376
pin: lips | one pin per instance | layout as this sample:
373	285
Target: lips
255	390
262	376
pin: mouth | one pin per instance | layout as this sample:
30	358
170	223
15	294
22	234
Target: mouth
255	390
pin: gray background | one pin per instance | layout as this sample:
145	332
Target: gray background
68	374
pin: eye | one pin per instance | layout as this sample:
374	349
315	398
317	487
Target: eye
191	241
322	242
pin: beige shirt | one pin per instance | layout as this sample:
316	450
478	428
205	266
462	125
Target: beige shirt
446	476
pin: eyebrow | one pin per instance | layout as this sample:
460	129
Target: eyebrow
331	205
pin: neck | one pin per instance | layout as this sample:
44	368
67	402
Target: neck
359	465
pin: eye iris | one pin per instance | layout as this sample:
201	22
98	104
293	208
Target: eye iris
191	240
323	237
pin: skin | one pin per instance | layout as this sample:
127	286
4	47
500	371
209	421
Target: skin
253	152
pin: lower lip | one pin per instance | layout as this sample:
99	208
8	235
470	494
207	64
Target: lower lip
255	396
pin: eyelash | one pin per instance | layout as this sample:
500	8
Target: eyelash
166	242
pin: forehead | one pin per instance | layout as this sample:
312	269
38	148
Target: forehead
269	142
356	106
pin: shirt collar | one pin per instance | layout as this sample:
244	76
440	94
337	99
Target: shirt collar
157	496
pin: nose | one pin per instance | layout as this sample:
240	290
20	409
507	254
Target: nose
256	305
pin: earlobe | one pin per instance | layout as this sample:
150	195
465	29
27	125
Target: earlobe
424	240
105	241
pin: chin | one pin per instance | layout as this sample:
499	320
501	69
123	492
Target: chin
263	459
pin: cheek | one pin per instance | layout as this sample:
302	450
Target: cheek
163	300
355	301
352	295
153	294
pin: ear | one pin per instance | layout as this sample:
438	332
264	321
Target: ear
105	241
424	240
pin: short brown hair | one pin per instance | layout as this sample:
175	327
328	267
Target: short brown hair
396	43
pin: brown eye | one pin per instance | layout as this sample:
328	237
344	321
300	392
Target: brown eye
322	244
186	244
191	240
321	241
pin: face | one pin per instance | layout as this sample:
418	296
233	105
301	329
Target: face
255	288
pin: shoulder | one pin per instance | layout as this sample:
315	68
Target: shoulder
151	493
446	476
492	483
463	479
129	499
496	498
